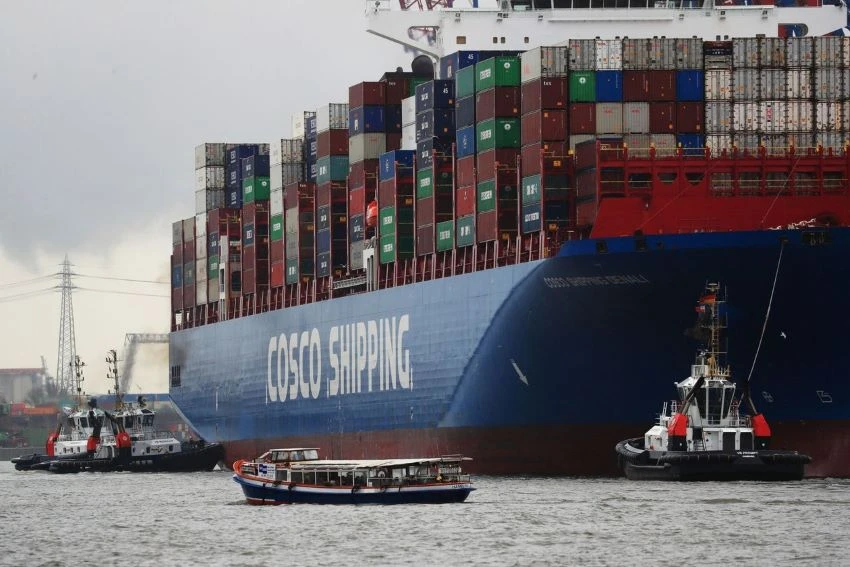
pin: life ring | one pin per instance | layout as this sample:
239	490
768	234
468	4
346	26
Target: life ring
381	473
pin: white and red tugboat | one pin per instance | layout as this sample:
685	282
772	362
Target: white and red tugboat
710	433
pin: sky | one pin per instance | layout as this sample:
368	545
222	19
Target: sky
102	103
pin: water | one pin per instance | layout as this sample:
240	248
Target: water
134	519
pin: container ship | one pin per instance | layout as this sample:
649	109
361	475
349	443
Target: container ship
489	255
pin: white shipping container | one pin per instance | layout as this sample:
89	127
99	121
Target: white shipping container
772	52
635	117
745	84
290	227
830	83
578	139
544	62
209	154
635	54
718	117
774	84
298	128
201	287
827	116
408	111
287	150
775	144
799	114
748	141
275	176
834	140
745	52
745	116
366	146
201	224
189	230
772	116
408	137
718	84
356	256
799	52
334	115
718	61
829	51
662	53
845	116
609	118
637	144
799	83
201	247
582	54
665	144
689	55
609	54
718	142
208	199
276	202
802	141
209	177
292	173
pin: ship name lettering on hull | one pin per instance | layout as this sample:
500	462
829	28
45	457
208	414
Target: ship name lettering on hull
594	281
365	356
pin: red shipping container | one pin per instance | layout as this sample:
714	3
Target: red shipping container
188	251
554	156
395	191
544	94
249	282
249	257
586	185
485	226
357	201
296	193
331	192
586	213
177	299
278	270
689	117
276	250
366	93
177	253
332	142
582	118
498	102
585	153
544	125
393	141
188	297
465	201
491	159
425	240
466	171
662	117
635	86
424	211
363	173
397	89
662	85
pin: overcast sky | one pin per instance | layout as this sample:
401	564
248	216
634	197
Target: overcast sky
102	103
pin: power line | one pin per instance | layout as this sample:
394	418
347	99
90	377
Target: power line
24	282
120	292
28	294
121	279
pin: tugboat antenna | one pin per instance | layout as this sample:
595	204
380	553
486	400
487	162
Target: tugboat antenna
112	374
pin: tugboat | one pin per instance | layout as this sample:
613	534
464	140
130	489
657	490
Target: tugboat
297	475
709	433
94	439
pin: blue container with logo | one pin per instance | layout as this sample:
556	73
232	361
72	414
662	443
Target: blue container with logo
465	142
451	64
609	86
690	86
692	144
435	94
365	119
390	162
392	118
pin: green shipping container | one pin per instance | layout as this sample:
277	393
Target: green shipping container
255	189
393	248
276	227
291	271
426	184
531	189
445	235
466	231
497	133
487	196
386	221
502	71
465	82
212	268
582	86
331	168
415	82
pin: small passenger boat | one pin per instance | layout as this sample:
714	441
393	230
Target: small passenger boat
709	433
297	475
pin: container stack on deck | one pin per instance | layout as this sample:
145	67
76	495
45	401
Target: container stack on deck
515	150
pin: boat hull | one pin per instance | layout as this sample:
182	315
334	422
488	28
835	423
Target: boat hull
193	459
567	350
264	492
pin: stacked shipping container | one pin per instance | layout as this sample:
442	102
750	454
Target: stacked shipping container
287	167
209	195
332	125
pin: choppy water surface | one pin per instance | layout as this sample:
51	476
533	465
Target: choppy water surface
136	519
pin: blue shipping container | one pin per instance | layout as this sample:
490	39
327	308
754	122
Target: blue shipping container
466	141
233	175
312	171
532	217
177	277
323	217
365	119
392	118
451	64
435	94
310	127
609	86
248	234
357	228
690	85
388	162
323	240
241	151
465	112
255	166
435	123
323	264
692	144
233	199
313	150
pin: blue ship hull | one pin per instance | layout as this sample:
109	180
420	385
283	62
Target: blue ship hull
534	368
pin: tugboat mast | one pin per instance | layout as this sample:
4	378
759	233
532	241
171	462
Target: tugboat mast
112	374
713	320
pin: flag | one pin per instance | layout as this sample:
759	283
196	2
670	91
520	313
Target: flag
708	299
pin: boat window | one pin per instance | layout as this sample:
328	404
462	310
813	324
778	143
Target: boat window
310	477
461	40
148	420
333	478
297	476
279	456
128	422
84	422
297	456
359	478
346	478
311	455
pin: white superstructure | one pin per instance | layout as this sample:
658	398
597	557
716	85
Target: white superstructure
441	27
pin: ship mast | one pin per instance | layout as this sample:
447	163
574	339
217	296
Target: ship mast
78	379
714	321
112	374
